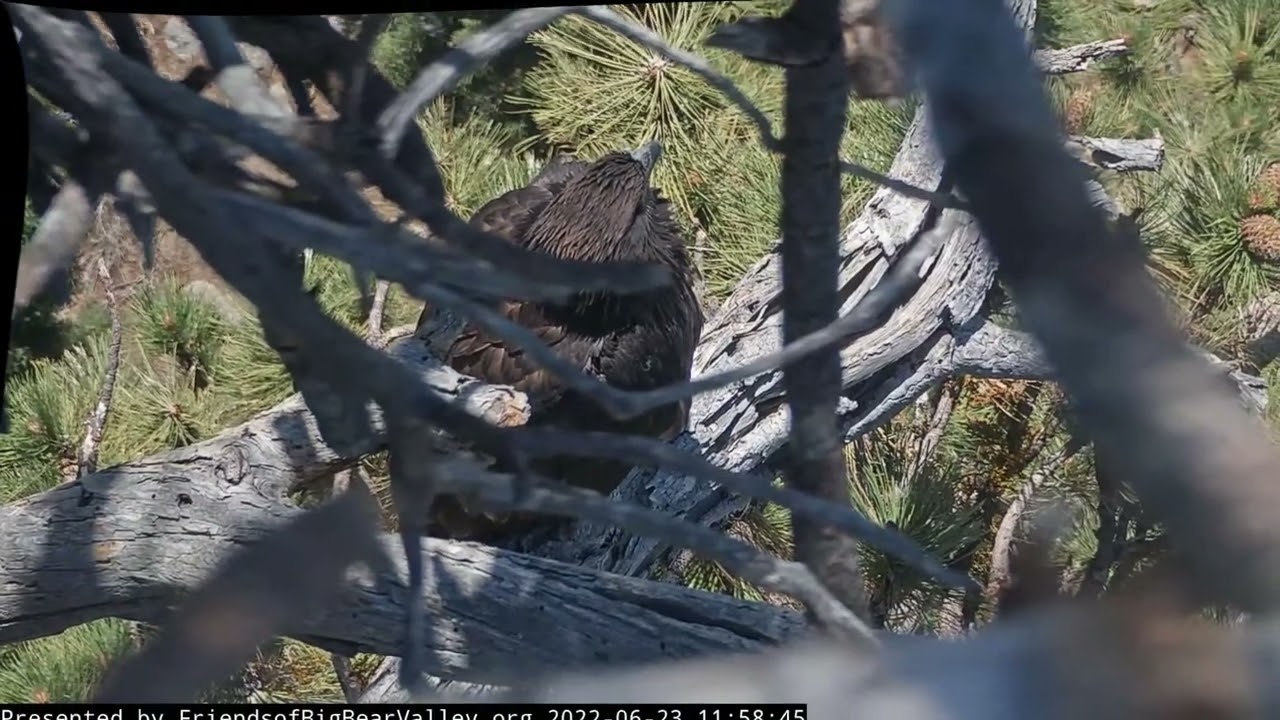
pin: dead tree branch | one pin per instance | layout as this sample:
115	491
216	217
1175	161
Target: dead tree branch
815	110
96	423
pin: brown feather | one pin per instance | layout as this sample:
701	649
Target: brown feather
601	211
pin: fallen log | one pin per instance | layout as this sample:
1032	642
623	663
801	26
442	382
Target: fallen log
132	540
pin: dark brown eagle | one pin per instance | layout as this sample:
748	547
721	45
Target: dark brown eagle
594	211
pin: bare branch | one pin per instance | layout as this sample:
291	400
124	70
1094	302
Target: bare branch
346	679
96	423
1001	576
125	32
816	98
236	78
378	309
1080	57
56	240
1116	154
943	408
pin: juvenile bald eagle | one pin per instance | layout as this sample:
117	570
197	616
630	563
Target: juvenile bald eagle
598	211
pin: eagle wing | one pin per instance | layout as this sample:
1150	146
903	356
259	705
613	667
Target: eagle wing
489	358
485	356
509	215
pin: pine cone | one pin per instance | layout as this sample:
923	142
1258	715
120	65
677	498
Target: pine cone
1264	197
1078	108
1261	236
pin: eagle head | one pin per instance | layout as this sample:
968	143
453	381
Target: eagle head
609	212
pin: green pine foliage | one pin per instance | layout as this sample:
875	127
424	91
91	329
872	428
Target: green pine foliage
62	668
172	321
927	507
634	93
1213	101
412	40
723	182
1215	190
476	156
47	409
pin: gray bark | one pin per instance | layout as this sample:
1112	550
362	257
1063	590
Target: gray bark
130	541
743	426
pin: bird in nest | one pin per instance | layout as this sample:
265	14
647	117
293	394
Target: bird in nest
600	211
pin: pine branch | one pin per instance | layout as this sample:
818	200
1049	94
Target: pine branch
943	408
1061	61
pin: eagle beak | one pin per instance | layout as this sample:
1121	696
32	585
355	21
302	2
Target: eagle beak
648	154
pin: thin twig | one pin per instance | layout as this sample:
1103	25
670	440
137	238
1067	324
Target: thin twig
96	423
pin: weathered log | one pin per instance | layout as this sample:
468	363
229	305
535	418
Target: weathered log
1059	61
130	541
